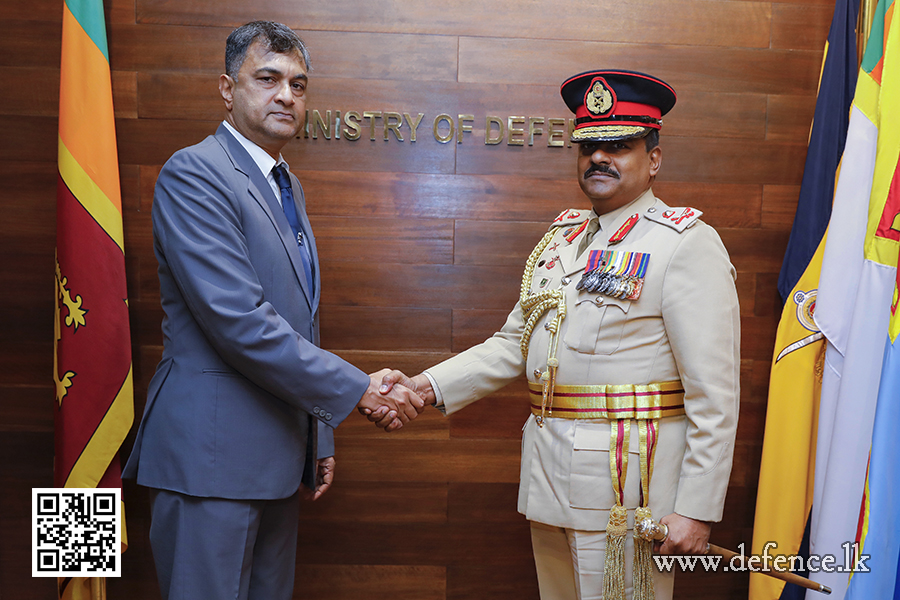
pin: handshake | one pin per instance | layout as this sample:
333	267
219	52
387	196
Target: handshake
394	399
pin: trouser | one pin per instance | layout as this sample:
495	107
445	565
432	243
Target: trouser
570	564
211	548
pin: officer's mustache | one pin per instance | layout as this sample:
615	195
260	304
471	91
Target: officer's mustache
602	169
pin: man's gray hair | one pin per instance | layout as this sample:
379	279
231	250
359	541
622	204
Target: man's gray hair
273	36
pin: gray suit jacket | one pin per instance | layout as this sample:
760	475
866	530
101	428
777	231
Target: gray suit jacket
244	400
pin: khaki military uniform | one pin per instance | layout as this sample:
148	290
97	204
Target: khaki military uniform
684	326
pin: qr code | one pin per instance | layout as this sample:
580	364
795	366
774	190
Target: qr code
76	532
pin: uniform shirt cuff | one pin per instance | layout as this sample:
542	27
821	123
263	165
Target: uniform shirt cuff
438	398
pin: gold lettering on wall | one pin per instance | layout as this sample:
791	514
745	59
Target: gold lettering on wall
533	128
555	132
393	126
463	119
392	122
489	138
371	116
352	120
320	124
436	127
413	125
513	132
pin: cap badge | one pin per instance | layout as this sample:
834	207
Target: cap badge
599	98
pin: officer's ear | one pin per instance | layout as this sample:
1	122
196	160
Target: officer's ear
226	89
655	156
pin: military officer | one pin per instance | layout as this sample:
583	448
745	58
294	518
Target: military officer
628	331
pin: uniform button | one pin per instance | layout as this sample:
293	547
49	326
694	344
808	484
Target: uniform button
537	373
599	300
651	210
316	410
566	280
327	416
547	326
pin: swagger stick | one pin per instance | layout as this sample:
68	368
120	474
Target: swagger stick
650	530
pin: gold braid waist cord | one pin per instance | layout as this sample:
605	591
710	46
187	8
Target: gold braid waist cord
651	401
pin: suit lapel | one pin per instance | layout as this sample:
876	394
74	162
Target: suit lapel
262	194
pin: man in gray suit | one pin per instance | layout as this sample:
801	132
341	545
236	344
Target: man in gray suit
242	407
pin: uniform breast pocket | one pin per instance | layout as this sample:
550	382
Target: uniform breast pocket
596	323
590	481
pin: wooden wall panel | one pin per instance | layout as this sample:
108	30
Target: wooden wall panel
373	502
797	26
376	582
40	101
728	24
686	159
386	328
480	581
28	139
27	461
473	326
24	11
178	95
496	243
790	117
500	415
684	67
119	12
442	229
434	285
358	56
32	43
779	205
384	241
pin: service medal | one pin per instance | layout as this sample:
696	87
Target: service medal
615	274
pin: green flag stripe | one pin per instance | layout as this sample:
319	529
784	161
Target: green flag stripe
89	14
874	52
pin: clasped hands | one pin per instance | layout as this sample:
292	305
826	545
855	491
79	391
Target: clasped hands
393	399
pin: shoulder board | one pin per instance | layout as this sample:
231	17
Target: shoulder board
678	218
570	216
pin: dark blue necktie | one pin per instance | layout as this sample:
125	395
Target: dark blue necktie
290	211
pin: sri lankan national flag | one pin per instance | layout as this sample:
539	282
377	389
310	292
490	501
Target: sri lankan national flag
94	406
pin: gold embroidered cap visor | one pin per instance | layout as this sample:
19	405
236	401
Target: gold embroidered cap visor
608	133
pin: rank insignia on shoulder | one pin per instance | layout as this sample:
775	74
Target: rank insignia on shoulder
615	274
679	218
571	216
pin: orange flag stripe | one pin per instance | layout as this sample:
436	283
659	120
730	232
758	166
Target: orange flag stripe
86	122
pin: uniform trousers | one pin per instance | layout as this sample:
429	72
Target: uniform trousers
570	564
215	548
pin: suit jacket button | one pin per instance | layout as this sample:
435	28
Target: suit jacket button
316	410
327	416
